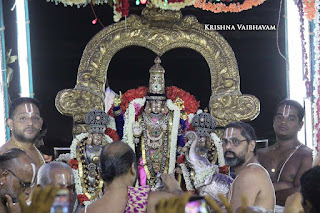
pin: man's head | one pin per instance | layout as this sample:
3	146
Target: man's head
239	142
287	120
118	160
56	174
17	174
25	120
310	190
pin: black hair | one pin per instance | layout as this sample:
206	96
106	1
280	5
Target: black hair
294	104
19	101
310	187
116	163
8	156
247	131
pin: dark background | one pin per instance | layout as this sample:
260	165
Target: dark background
59	35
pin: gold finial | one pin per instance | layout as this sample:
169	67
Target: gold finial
206	110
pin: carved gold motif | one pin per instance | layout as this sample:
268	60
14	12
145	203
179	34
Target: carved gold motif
159	31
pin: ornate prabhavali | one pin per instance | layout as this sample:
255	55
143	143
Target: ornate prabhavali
159	31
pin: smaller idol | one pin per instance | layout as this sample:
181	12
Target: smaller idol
206	158
85	156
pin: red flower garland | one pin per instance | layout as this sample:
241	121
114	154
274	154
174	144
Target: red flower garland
73	163
132	94
112	134
224	170
82	198
191	105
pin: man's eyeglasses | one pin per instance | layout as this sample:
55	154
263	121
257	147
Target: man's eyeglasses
233	142
25	119
23	184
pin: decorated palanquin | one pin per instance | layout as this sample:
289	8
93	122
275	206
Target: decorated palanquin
159	31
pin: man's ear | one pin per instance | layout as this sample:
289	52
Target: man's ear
3	174
133	170
10	123
300	125
252	145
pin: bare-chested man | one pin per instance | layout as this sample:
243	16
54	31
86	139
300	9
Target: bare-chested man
25	123
252	180
288	159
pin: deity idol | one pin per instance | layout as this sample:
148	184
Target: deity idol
85	157
206	158
153	129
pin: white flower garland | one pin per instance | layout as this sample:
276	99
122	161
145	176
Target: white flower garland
219	149
112	123
73	152
316	86
205	174
174	134
186	176
129	119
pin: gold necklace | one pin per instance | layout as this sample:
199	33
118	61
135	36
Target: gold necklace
37	151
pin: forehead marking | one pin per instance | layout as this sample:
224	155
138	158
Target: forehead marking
286	110
29	109
229	133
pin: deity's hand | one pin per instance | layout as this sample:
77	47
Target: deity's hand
117	99
170	183
42	200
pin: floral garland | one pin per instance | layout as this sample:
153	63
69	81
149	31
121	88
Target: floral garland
172	4
83	199
232	7
190	104
219	149
186	176
78	3
129	117
306	74
120	9
316	80
174	134
309	9
130	95
205	174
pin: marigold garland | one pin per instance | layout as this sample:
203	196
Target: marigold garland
221	7
309	9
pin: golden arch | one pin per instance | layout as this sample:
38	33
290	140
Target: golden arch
159	31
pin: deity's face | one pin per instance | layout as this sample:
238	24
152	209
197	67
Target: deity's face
155	106
96	139
203	145
235	147
26	122
286	122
